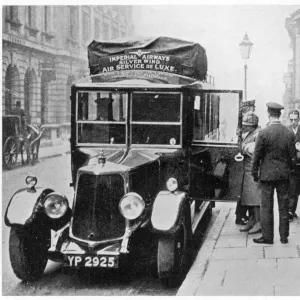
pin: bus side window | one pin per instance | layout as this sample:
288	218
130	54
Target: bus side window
199	104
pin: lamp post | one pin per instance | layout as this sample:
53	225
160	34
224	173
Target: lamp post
245	48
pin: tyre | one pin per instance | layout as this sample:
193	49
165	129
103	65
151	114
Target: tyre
126	270
10	153
173	256
28	252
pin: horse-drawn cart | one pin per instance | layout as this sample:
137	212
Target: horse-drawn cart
17	137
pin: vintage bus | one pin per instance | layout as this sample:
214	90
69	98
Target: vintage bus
153	145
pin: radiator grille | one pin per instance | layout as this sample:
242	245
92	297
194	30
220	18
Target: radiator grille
96	214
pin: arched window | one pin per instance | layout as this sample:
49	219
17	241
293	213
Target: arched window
30	104
12	88
44	98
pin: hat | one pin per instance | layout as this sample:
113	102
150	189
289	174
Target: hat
250	118
294	112
274	106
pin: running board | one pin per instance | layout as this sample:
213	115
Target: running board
202	209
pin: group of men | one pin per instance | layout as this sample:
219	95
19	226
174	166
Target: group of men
274	166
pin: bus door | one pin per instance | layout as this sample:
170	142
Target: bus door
216	165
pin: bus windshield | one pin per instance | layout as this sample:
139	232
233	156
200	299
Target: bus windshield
156	118
101	117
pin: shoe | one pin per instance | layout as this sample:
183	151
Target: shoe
284	241
247	227
291	216
262	240
255	229
241	221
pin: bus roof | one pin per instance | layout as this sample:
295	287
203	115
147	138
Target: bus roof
140	84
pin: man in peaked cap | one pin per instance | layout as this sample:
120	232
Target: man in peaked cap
273	158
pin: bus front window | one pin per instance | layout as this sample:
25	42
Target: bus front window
101	117
156	118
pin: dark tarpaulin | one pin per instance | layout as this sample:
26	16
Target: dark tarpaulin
192	55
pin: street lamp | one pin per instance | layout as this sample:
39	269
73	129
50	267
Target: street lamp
245	48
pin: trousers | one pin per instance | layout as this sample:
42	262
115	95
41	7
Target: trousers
267	208
294	192
241	210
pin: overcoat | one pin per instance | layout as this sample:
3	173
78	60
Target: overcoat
274	153
251	193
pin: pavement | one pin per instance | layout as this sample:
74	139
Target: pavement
52	151
229	263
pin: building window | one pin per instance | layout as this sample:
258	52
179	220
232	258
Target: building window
12	17
47	19
86	26
30	23
73	23
97	29
31	16
12	13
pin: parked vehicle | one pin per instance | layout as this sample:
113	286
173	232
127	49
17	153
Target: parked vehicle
19	138
150	150
11	128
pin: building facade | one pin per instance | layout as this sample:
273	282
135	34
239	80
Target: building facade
292	77
45	50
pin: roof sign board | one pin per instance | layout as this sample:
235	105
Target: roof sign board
161	54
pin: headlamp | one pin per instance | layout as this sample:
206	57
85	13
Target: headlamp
172	184
55	205
131	206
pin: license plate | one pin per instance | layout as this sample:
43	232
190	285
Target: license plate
93	261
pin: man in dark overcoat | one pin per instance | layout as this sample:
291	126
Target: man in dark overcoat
273	160
294	190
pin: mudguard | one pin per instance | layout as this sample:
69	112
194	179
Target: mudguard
24	205
166	211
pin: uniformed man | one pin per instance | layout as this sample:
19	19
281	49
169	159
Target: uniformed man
273	159
294	190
